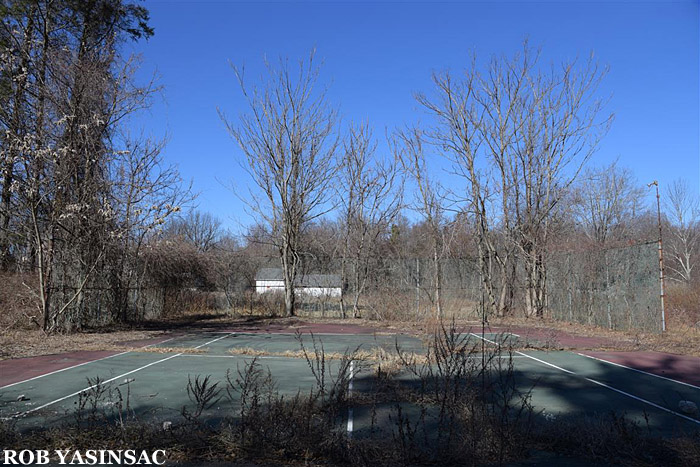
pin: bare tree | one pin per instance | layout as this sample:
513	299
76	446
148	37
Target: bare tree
80	192
456	137
605	202
370	199
683	211
519	137
144	192
557	126
288	141
430	202
201	229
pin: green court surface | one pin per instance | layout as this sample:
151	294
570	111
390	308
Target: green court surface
561	383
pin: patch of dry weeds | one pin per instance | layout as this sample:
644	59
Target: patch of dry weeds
679	338
185	350
31	343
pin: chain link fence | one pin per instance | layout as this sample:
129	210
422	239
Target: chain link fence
616	288
94	306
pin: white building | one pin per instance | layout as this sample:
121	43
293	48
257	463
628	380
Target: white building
316	285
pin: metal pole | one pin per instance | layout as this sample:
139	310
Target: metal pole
661	255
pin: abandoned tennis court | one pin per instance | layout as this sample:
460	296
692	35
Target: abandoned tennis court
647	389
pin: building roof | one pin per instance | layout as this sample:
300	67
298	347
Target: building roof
307	280
269	274
318	280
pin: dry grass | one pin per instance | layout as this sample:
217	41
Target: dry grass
185	350
611	439
679	338
15	343
18	343
683	304
389	362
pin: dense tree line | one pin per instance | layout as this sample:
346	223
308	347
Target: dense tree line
94	213
519	138
80	194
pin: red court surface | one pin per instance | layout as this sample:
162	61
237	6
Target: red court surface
678	367
554	338
21	369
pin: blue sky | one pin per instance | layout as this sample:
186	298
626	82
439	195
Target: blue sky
378	54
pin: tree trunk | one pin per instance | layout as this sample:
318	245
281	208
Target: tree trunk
486	279
343	275
289	272
508	273
438	280
502	302
289	299
359	285
536	285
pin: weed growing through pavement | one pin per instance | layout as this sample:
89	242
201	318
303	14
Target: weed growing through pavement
203	393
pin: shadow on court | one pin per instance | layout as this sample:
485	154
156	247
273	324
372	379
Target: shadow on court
559	385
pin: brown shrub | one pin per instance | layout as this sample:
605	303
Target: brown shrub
18	302
178	302
683	304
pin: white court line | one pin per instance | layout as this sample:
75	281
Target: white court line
81	364
161	342
493	334
639	371
300	357
94	385
110	380
264	333
632	396
496	333
214	340
63	369
485	339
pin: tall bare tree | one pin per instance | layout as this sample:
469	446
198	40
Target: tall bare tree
430	202
455	135
370	199
557	125
144	192
519	136
683	212
289	143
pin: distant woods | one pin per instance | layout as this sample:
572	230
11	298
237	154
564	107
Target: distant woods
500	174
